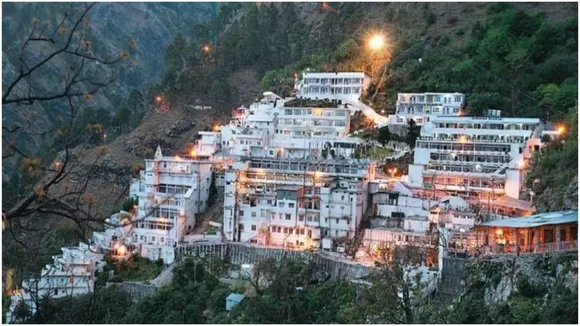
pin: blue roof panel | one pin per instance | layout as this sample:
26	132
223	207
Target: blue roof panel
536	220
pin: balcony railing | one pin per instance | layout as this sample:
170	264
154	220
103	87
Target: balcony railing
534	248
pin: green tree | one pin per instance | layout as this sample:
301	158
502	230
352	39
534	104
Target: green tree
413	133
122	115
136	104
384	135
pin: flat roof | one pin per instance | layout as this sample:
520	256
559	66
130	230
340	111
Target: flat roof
235	297
454	119
536	220
432	93
336	74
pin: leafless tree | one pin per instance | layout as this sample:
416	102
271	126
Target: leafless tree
84	74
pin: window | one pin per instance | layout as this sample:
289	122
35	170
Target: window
253	214
281	204
241	226
288	216
269	202
141	237
457	99
301	217
162	239
290	205
153	239
253	227
241	213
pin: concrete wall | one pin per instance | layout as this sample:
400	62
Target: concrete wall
136	291
240	253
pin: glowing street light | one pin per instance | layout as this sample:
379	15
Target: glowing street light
561	130
206	48
158	99
377	42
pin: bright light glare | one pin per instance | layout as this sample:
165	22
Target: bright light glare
561	130
376	42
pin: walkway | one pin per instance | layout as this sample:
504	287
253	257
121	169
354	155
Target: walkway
378	119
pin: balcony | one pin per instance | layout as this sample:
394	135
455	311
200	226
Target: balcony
514	249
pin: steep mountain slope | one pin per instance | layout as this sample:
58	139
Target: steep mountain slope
403	20
143	30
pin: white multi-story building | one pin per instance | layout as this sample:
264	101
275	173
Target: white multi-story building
72	273
295	203
475	157
347	86
171	191
422	107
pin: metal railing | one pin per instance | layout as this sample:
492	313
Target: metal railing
534	248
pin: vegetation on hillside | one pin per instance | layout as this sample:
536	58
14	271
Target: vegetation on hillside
290	293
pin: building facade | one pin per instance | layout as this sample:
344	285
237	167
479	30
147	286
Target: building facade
295	203
475	157
348	86
71	273
171	192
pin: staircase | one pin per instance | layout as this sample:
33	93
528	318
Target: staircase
360	232
214	213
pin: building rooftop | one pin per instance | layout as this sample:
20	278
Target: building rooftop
309	103
536	220
236	297
336	74
483	119
510	202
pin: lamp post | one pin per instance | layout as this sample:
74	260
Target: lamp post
377	43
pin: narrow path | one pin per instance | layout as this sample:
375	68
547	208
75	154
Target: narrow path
164	277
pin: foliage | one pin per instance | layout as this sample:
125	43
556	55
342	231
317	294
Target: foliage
129	203
5	305
384	135
413	133
552	170
136	268
105	306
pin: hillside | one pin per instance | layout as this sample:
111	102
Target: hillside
519	57
144	30
230	74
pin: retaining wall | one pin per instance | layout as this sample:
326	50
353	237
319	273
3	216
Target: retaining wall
135	290
240	253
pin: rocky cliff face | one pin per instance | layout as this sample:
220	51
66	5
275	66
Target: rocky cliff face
564	198
499	277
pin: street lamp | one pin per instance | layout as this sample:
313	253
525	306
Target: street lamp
561	130
377	42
